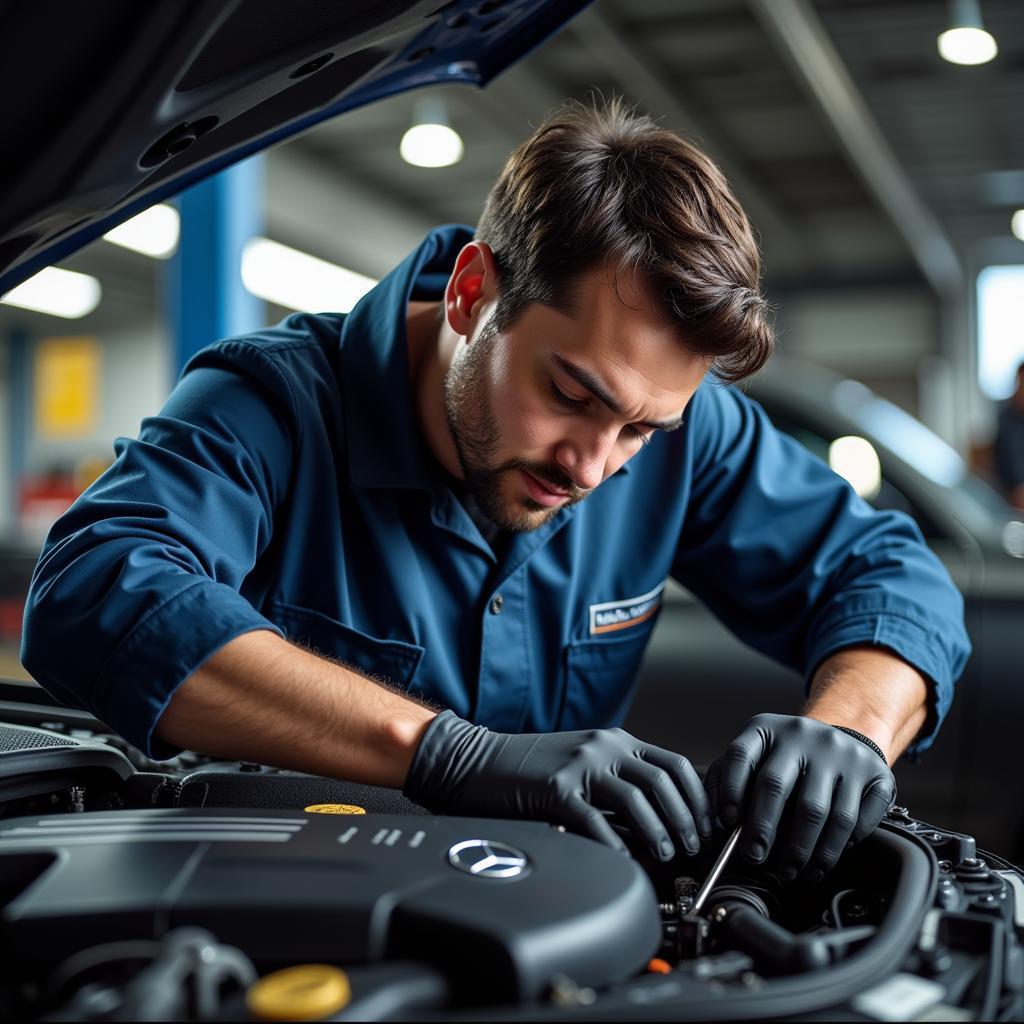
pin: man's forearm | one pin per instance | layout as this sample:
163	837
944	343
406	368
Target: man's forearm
264	700
873	691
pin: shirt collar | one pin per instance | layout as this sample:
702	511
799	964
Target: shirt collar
385	442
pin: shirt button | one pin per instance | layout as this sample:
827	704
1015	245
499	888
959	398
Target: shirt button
497	604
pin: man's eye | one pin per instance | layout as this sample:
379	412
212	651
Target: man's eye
576	404
638	435
565	400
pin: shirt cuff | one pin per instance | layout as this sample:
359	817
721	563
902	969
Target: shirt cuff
907	635
162	651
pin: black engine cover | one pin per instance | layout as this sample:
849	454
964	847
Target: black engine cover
292	886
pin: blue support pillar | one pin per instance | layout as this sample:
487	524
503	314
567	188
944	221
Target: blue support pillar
205	298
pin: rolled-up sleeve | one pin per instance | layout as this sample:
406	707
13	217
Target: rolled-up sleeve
797	565
138	583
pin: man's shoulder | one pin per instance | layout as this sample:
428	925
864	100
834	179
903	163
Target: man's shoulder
717	406
298	338
296	355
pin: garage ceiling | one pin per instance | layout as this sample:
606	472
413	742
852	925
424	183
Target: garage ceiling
722	71
862	157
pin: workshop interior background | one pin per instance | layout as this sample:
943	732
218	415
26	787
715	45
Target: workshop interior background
885	182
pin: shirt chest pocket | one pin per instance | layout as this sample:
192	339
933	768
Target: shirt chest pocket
600	677
391	660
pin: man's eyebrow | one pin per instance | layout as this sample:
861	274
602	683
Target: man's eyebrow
586	379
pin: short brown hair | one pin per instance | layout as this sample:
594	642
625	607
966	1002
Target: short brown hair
598	184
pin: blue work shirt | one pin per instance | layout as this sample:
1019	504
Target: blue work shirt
285	485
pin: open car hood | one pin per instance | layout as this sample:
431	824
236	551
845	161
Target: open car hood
114	106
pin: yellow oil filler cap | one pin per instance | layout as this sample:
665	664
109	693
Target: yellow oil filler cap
304	992
334	809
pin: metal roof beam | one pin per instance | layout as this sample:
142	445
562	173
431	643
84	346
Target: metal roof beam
801	38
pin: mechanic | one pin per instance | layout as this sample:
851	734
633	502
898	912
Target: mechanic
423	545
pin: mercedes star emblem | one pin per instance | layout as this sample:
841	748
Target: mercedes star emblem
484	858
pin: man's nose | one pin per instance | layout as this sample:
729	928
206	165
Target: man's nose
585	458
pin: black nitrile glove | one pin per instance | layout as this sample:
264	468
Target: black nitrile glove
833	787
567	778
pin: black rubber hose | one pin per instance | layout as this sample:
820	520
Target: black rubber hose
773	949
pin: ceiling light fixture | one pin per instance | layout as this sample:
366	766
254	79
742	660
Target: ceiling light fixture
431	141
154	232
966	41
297	280
1017	224
56	292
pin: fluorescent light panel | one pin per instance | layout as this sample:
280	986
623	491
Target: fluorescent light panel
57	292
154	232
297	280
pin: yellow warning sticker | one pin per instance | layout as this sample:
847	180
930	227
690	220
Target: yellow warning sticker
334	809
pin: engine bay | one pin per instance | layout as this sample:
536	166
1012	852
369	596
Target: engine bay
205	890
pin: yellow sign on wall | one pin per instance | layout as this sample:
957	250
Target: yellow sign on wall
67	384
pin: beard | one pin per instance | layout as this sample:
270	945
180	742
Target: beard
477	438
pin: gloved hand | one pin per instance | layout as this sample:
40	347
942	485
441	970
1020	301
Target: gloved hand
833	787
567	778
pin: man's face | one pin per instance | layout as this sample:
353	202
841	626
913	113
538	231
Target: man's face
544	411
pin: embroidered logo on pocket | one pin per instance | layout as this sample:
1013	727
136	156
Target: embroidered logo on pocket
613	615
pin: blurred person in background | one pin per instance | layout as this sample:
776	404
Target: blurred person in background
1009	443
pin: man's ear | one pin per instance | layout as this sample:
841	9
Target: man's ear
472	287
